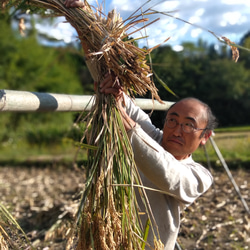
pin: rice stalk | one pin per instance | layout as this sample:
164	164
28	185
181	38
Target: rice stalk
234	47
9	224
108	215
3	244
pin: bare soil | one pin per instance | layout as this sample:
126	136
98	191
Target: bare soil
44	199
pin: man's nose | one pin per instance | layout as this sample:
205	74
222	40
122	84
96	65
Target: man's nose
178	130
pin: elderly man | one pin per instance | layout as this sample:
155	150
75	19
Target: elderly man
164	157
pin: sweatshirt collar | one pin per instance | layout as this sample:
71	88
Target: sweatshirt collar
187	160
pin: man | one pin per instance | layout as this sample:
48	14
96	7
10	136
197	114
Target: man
164	157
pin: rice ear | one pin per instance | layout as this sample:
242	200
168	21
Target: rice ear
108	214
235	51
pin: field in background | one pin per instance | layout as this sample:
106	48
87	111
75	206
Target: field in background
234	144
42	192
41	187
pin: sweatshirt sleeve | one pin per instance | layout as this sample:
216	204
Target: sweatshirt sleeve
140	117
184	180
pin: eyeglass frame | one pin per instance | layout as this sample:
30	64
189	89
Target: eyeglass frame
193	129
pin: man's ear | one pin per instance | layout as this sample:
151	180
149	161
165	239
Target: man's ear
205	137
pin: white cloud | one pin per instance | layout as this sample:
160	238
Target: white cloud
178	48
236	2
194	19
231	17
199	12
196	32
224	18
228	18
171	26
167	6
234	17
124	5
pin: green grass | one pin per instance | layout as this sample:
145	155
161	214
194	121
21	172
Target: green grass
233	143
21	152
45	137
233	129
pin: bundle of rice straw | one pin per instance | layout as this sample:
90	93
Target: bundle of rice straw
11	234
108	215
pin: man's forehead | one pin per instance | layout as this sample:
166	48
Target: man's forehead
189	109
185	117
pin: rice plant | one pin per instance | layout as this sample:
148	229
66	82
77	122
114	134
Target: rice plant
108	215
11	234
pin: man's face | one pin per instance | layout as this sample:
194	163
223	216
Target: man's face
175	140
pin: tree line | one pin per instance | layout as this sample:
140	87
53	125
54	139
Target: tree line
210	75
199	70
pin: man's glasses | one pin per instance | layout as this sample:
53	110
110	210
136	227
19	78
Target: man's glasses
187	127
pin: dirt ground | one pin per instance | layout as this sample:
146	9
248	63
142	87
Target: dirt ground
44	199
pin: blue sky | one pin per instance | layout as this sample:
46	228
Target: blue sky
230	18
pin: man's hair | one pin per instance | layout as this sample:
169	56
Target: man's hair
211	120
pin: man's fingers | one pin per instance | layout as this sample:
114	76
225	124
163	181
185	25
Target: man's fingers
111	85
73	3
107	81
110	82
110	91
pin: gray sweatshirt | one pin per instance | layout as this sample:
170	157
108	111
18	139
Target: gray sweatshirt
182	181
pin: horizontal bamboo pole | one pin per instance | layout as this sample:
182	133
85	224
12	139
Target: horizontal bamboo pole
25	101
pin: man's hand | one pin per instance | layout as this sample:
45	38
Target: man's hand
73	4
111	85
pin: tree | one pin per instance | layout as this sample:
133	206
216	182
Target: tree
209	75
244	54
26	65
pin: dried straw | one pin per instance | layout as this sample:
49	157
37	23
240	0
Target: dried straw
235	51
9	230
108	213
103	40
3	244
